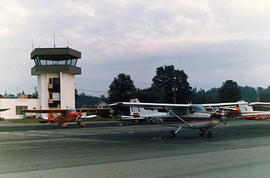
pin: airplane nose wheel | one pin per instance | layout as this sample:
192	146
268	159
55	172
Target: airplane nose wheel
172	134
82	124
205	133
208	134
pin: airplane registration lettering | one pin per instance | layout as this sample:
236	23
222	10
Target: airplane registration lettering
262	116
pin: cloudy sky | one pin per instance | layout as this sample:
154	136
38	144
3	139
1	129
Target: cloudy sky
212	41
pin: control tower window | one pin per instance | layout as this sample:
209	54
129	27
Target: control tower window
68	62
62	62
42	62
73	62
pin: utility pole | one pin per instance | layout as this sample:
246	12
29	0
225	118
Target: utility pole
174	95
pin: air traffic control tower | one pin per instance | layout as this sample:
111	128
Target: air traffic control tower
56	69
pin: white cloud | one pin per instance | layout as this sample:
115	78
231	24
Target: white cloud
224	39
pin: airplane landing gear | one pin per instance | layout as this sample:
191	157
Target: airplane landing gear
201	133
205	133
81	124
172	134
208	134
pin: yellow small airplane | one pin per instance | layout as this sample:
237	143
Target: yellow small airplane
62	116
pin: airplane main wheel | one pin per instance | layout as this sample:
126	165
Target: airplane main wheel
202	133
79	123
172	134
208	134
82	124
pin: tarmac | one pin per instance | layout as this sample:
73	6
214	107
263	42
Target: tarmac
110	149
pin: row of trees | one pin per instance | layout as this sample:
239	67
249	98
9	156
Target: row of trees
170	85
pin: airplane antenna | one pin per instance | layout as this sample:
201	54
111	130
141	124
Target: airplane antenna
32	44
54	39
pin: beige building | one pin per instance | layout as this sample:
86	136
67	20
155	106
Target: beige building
16	106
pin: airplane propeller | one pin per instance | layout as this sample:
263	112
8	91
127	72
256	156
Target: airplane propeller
78	116
220	116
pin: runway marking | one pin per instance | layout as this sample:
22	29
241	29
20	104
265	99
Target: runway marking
12	133
23	134
39	135
49	140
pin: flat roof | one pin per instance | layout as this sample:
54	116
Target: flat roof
55	53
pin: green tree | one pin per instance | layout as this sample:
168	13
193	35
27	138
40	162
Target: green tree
202	96
84	100
264	94
198	96
248	94
229	92
152	94
121	89
212	96
173	85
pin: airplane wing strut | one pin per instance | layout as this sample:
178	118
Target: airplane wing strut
178	117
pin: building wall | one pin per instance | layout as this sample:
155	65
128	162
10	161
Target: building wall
67	90
67	94
43	90
11	103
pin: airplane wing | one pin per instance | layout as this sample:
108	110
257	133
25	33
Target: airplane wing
46	110
224	104
149	105
228	108
92	109
260	104
1	110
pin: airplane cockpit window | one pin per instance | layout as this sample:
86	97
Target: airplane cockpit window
197	108
180	111
245	108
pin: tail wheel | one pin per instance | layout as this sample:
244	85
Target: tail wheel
64	126
82	124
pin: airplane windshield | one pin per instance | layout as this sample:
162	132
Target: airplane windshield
196	108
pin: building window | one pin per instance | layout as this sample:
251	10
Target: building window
73	62
19	110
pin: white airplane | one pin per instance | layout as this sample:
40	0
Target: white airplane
1	110
191	116
141	114
243	110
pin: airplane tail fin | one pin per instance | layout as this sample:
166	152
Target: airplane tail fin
136	111
140	111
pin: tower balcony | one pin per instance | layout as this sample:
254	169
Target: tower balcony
74	70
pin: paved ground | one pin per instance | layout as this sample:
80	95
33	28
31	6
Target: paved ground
241	150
